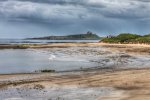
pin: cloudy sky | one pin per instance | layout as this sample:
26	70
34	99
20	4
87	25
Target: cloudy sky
31	18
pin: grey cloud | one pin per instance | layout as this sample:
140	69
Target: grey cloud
37	11
45	10
65	2
142	0
77	15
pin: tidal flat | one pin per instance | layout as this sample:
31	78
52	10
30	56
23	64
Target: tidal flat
96	71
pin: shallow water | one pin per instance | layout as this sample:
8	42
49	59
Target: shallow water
29	60
67	59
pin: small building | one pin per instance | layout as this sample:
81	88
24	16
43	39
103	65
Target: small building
89	33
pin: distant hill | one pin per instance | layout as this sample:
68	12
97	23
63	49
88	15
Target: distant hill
87	36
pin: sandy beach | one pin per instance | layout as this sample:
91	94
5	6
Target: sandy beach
133	84
140	48
105	84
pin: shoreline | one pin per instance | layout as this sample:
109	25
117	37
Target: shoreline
53	45
130	48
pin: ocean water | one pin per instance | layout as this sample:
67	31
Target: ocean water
20	41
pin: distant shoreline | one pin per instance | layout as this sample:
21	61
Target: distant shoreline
47	45
68	44
87	36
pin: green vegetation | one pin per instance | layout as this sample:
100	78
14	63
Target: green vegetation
127	38
22	46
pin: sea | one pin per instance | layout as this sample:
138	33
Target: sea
23	41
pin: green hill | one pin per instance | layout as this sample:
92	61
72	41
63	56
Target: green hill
127	38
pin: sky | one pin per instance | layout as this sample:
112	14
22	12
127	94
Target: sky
33	18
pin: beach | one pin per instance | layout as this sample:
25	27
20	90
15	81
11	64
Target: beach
116	81
130	84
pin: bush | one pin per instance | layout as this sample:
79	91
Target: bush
126	37
47	71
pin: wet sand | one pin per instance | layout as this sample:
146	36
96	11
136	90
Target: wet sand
133	84
134	48
124	84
